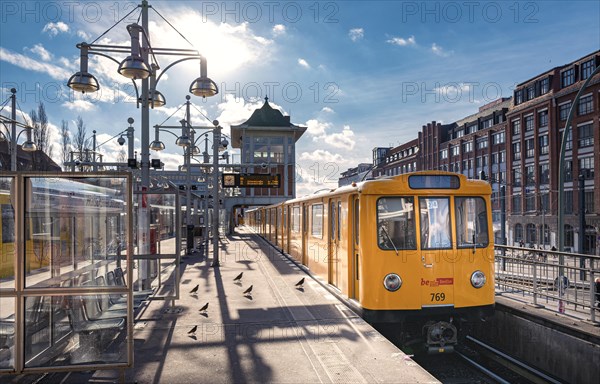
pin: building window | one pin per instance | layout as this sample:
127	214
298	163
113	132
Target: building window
587	163
467	147
502	157
569	141
586	135
567	77
482	143
487	123
586	105
498	138
518	96
568	170
517	150
516	127
545	202
455	150
530	233
460	133
529	148
518	233
529	123
530	175
545	234
568	197
587	68
544	86
530	202
445	153
516	176
589	201
516	204
569	236
543	119
544	173
544	145
563	111
530	92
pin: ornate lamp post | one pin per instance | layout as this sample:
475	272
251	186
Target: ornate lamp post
13	137
136	67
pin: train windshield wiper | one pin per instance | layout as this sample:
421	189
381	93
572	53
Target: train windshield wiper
390	239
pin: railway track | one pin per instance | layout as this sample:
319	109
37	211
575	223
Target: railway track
476	362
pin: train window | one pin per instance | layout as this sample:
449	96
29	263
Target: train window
332	220
435	222
316	222
471	222
295	219
396	228
339	227
434	182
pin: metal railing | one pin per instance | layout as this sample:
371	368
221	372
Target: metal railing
552	279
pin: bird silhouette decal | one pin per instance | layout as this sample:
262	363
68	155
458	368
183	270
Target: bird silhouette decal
247	291
195	289
300	283
238	277
193	330
204	308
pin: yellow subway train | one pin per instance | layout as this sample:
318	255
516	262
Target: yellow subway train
414	251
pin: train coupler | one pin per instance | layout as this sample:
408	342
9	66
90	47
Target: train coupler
441	337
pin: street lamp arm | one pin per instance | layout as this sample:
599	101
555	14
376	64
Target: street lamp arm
173	63
137	93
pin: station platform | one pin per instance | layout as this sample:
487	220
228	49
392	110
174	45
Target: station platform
279	333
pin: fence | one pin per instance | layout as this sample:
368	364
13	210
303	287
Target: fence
561	279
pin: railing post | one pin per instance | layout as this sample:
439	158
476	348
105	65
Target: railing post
592	292
535	285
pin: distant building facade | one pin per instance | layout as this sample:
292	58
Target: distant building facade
515	144
357	174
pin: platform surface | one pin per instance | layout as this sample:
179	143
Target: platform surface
279	333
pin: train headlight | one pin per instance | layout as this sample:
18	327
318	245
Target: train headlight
478	279
392	282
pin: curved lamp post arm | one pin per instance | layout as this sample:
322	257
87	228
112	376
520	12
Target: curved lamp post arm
137	92
172	64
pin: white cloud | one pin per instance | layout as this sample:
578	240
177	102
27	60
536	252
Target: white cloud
42	52
84	35
28	63
327	110
278	30
316	128
235	110
344	139
303	63
321	155
400	41
54	29
436	49
356	34
79	105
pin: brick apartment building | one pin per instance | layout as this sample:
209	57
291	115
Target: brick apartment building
515	143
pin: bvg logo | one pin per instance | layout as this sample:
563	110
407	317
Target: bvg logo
437	282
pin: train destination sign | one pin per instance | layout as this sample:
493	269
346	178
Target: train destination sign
250	180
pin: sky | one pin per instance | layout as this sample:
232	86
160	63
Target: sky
357	74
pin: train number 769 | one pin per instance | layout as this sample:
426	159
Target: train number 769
438	297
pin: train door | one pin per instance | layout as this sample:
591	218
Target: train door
354	241
437	256
334	242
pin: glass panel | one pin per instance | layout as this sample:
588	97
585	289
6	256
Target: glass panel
435	222
59	330
471	222
72	228
396	229
7	332
7	235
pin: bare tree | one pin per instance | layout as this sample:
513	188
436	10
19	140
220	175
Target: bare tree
40	129
65	141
